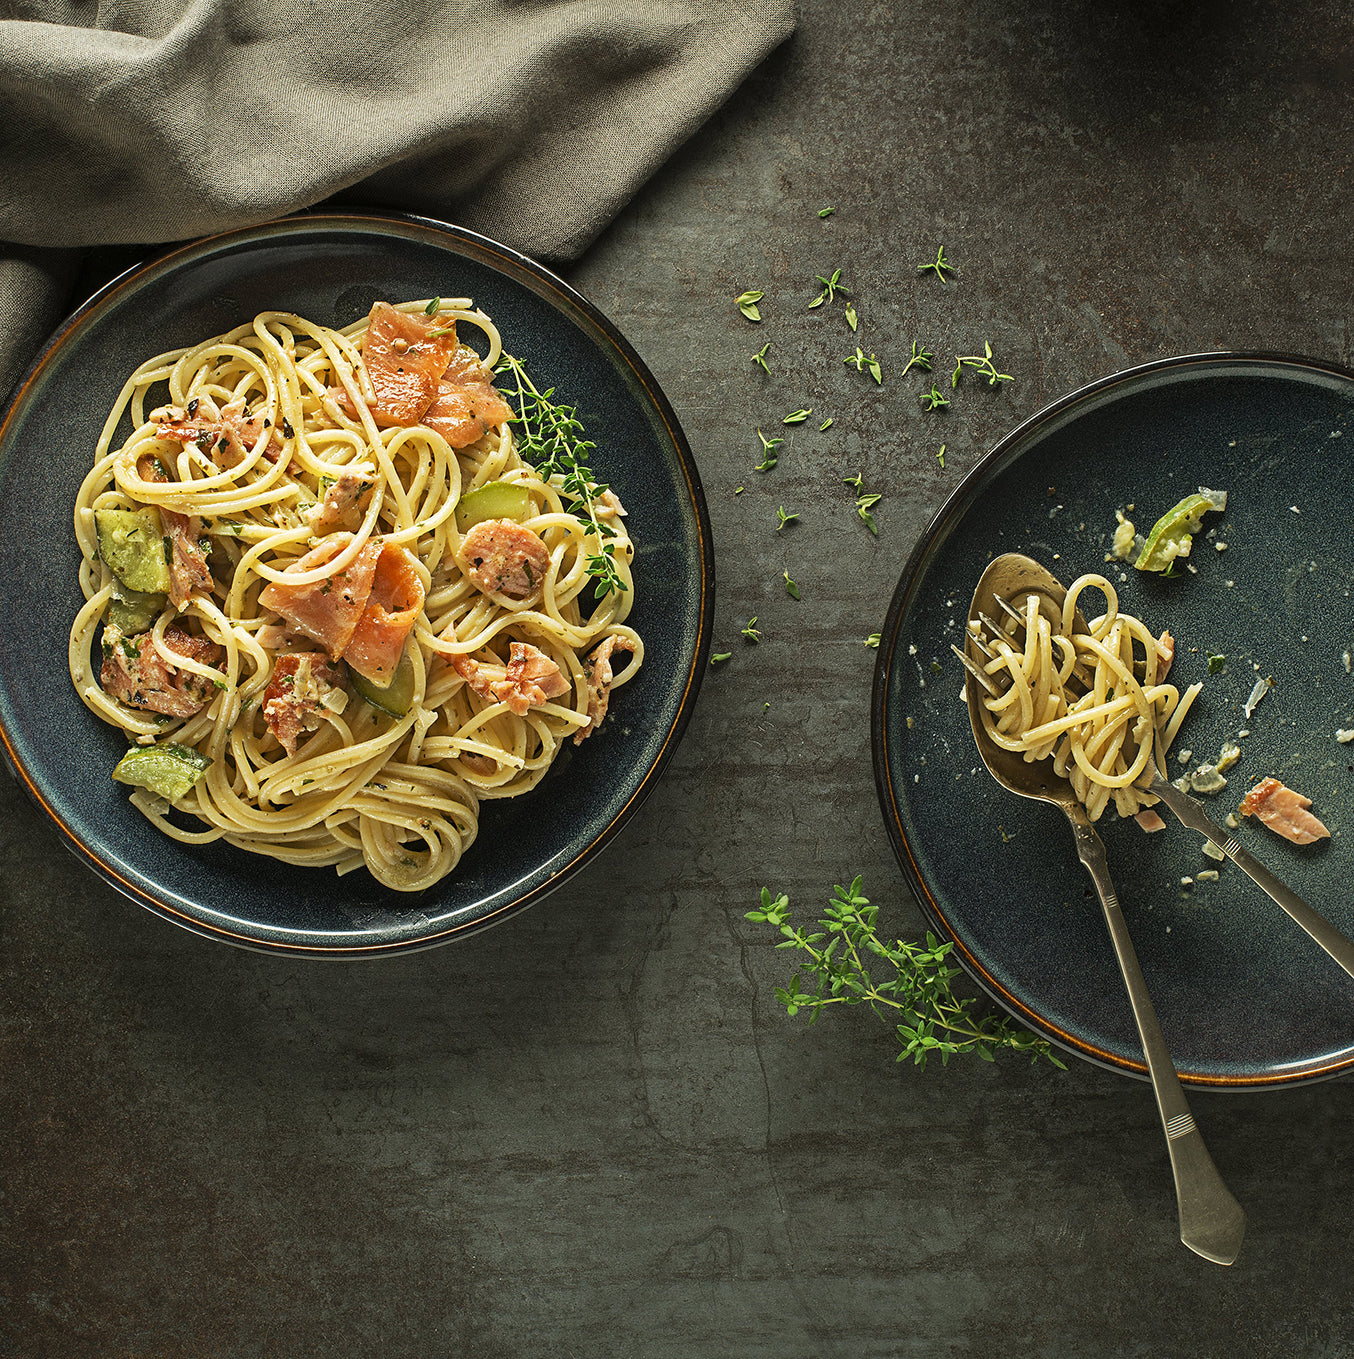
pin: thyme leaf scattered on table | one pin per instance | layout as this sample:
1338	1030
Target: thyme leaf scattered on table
769	447
921	358
982	363
863	365
831	287
845	962
550	438
747	303
940	266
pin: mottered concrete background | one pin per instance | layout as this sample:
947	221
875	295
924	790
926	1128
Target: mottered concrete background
591	1131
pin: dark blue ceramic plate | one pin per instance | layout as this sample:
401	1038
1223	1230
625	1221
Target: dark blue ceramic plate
331	268
1244	997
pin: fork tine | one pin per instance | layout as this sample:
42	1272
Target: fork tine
1013	612
976	637
977	672
995	628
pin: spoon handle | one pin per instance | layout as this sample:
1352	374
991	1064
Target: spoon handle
1212	1223
1191	814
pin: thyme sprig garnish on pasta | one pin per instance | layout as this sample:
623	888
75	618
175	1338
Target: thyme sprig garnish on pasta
550	438
841	963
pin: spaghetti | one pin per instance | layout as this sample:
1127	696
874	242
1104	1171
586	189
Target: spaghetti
1091	701
333	605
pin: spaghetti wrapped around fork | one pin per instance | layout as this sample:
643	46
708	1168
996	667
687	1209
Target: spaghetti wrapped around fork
1091	701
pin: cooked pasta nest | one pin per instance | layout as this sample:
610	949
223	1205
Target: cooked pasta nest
396	793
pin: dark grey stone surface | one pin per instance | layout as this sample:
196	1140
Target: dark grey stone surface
591	1131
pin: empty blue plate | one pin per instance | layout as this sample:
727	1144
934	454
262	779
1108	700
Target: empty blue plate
331	268
1244	997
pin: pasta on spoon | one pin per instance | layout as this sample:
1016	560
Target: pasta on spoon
1090	700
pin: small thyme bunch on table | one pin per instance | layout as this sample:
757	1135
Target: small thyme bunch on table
838	963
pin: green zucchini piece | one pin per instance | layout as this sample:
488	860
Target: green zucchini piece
169	770
132	543
1172	535
133	611
493	500
396	698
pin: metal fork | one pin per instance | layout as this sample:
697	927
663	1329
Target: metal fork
1212	1223
1189	811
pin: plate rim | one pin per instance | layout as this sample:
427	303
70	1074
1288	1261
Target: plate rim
954	506
509	262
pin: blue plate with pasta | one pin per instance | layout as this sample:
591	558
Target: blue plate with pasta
1245	998
376	583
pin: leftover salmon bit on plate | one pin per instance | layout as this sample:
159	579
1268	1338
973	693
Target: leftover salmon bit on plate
1284	811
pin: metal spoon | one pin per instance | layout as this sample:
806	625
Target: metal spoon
1212	1223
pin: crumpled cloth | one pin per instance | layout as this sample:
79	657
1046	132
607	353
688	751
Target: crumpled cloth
155	121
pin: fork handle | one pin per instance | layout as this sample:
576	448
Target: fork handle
1212	1222
1190	813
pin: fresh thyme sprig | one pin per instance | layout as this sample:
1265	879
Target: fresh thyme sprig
863	365
550	438
983	363
782	518
921	358
752	632
865	502
940	266
934	399
769	447
831	287
835	968
759	358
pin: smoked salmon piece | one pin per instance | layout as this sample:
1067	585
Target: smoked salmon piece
597	667
405	360
503	557
467	402
134	672
295	695
530	679
329	609
346	490
1284	811
393	604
